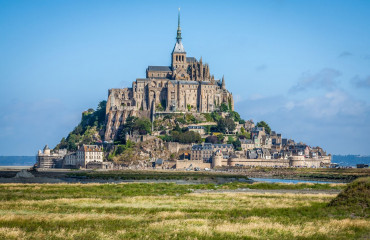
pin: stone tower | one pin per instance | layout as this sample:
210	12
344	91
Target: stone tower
217	159
179	64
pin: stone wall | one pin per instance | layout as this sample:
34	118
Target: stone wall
258	162
175	147
184	164
301	161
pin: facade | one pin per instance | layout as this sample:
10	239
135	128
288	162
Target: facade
87	156
204	152
197	129
185	86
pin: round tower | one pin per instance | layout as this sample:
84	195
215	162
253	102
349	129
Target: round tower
217	159
46	150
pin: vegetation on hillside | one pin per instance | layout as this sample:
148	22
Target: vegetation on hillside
182	135
265	125
355	199
88	131
134	125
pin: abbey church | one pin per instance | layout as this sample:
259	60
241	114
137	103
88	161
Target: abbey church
185	86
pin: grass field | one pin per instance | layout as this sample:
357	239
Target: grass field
346	175
171	211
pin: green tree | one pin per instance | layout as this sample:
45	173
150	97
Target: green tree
226	125
223	107
211	139
177	128
230	140
234	115
220	138
215	116
143	126
265	125
237	144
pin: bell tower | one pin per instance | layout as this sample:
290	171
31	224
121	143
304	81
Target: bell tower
179	65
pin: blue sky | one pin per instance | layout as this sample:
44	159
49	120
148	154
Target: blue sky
302	66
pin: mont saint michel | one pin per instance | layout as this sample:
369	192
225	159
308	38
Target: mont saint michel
178	117
185	86
229	120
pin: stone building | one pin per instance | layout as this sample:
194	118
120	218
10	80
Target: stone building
50	159
85	156
205	151
185	86
89	154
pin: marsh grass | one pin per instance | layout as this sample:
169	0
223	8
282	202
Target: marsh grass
154	175
170	211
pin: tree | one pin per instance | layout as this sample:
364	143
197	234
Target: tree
234	115
237	144
177	128
223	107
143	126
215	116
230	140
186	137
226	125
265	125
220	138
212	139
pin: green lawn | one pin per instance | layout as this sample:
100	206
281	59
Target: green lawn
170	211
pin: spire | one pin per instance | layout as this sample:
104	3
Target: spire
179	48
223	82
178	28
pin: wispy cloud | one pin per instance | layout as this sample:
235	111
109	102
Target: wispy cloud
261	67
325	79
345	54
331	120
360	82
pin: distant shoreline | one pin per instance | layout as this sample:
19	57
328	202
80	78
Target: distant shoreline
15	167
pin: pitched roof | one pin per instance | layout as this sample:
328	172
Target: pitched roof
159	68
191	59
179	48
90	148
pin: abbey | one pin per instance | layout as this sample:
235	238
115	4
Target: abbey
185	86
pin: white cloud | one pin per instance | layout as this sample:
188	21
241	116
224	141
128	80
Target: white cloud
360	82
325	79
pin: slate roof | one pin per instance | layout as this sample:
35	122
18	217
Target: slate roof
159	161
184	82
191	59
195	127
159	68
210	146
246	141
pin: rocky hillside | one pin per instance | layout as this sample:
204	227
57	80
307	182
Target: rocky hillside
89	130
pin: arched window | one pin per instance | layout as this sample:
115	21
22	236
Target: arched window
177	58
182	58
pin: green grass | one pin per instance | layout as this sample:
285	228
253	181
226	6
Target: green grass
171	211
156	175
355	198
287	186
